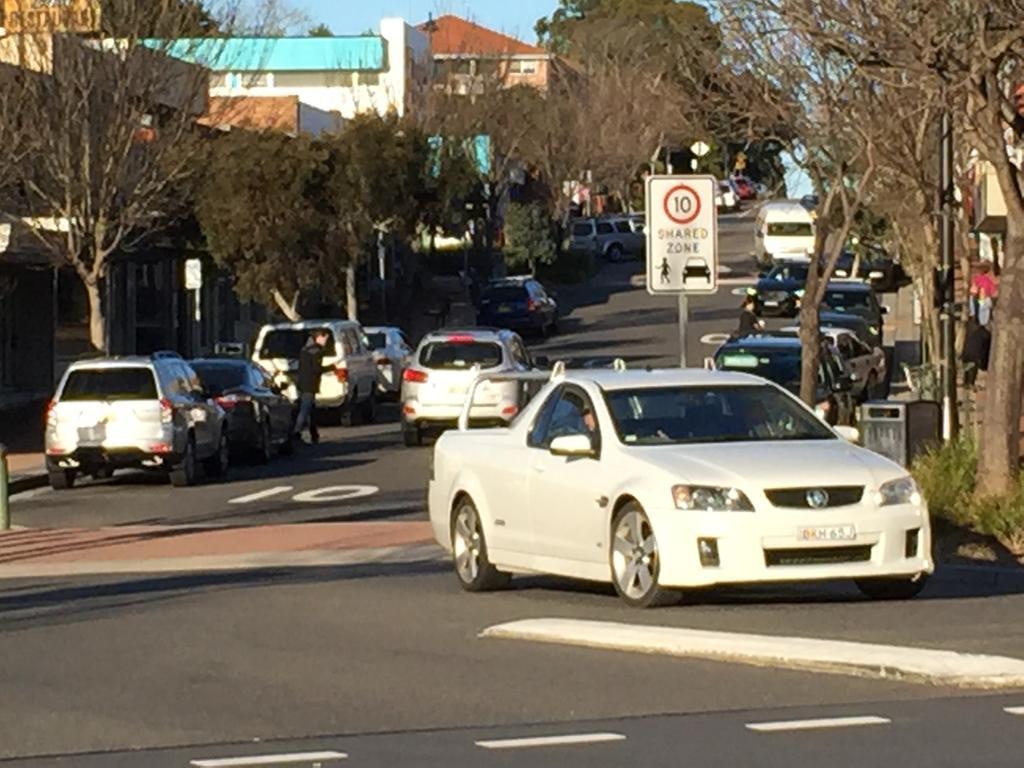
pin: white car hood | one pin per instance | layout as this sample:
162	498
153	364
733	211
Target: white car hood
775	464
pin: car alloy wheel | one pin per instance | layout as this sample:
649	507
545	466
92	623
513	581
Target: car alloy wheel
635	559
469	551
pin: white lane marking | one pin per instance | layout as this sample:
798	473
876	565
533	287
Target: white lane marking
714	339
825	722
551	741
336	493
912	664
276	491
1014	711
293	757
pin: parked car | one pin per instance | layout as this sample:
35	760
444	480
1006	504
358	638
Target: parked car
777	358
744	188
348	389
857	325
856	298
134	412
260	418
875	268
662	480
391	352
615	238
725	197
778	292
783	231
518	303
436	383
866	364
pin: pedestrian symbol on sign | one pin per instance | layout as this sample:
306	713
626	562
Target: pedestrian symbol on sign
666	271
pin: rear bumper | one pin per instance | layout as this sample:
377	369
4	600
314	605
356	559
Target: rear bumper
418	414
91	458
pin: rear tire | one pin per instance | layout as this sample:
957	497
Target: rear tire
62	479
184	474
892	588
217	465
287	448
412	436
469	551
615	254
368	412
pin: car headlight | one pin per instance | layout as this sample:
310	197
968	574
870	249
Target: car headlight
902	490
799	293
711	499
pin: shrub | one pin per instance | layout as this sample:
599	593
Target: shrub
946	476
1003	518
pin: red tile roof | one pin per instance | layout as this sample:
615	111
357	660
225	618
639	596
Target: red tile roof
451	35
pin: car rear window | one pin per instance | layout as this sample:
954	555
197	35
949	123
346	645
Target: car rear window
377	340
218	378
286	343
447	355
506	293
790	229
842	300
122	383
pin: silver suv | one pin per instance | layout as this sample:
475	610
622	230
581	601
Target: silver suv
437	380
143	412
615	238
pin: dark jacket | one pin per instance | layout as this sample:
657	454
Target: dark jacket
311	368
749	324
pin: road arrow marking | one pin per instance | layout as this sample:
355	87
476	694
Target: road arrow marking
552	741
336	493
294	757
891	662
807	725
276	491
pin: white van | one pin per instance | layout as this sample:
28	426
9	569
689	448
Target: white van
351	384
784	230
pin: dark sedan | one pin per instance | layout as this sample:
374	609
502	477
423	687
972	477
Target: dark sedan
260	417
877	269
778	292
855	298
519	304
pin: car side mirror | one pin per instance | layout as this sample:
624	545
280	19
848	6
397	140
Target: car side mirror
571	445
850	434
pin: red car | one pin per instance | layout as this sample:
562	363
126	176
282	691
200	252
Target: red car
745	189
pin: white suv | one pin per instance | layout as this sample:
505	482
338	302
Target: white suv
351	385
437	380
146	412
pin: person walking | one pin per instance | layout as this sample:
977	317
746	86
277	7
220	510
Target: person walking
311	368
750	323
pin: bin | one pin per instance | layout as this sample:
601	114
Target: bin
900	430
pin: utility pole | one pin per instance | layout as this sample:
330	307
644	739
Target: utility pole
947	286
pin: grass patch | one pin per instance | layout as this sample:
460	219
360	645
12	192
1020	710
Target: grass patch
946	476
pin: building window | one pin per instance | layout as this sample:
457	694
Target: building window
524	67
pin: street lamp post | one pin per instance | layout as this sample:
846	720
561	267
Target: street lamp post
947	194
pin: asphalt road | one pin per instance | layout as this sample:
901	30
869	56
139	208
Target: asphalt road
384	663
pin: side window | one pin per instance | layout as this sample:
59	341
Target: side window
540	425
519	354
405	341
573	415
604	228
623	226
347	344
192	382
256	378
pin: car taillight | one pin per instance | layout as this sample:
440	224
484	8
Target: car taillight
51	413
341	374
228	402
414	377
460	338
166	411
532	306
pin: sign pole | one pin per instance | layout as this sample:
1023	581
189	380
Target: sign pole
684	317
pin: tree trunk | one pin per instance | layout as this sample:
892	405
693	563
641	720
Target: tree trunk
810	327
97	320
999	447
288	308
351	303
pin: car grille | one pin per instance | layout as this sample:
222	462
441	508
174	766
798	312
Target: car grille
773	296
860	553
838	496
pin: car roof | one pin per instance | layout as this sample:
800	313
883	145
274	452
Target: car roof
786	207
763	341
306	325
611	380
478	334
513	280
381	328
223	361
857	286
128	361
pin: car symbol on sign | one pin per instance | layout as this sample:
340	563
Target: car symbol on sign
696	270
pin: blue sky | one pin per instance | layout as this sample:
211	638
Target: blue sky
353	17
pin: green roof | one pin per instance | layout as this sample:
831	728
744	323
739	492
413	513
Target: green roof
278	54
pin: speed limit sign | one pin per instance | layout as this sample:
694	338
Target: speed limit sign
682	234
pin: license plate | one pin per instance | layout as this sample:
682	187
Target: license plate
771	303
827	533
457	390
504	309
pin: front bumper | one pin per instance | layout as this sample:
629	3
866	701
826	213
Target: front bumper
765	546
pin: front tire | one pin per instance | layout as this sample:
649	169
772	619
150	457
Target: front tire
892	588
635	559
469	551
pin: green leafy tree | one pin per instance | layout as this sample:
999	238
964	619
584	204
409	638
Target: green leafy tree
320	30
528	240
260	206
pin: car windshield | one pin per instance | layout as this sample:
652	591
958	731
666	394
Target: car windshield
288	342
794	272
581	230
121	383
506	293
220	377
790	229
377	340
724	414
447	355
779	365
848	301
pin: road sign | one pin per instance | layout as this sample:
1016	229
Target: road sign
682	235
193	274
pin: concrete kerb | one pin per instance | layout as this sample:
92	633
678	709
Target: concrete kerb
887	662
